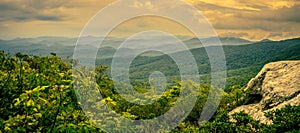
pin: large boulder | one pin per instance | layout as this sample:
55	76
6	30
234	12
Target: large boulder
275	86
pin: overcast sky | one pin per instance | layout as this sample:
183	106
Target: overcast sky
249	19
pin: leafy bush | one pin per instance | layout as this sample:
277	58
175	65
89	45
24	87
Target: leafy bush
284	120
37	95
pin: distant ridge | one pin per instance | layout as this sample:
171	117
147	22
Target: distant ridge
266	40
244	58
234	41
64	46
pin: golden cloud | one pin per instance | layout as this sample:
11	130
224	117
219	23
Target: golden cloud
251	19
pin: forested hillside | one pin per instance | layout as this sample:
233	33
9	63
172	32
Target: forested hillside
37	96
243	62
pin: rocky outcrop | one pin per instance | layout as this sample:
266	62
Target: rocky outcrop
276	85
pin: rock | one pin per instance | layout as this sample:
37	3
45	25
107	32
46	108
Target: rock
276	85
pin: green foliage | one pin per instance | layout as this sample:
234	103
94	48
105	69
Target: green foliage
242	62
222	124
284	120
37	95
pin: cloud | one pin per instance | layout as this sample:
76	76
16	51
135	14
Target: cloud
28	10
275	34
32	18
145	4
251	19
282	14
263	17
234	34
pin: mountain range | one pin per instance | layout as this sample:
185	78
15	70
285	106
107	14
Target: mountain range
244	58
64	46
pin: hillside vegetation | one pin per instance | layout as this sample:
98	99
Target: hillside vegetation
37	96
243	62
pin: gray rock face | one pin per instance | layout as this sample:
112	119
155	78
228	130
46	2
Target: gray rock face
277	85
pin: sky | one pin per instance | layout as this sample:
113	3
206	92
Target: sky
248	19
